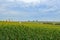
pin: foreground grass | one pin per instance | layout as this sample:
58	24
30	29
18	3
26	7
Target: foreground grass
28	31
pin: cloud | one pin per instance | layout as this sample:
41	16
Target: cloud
27	5
30	1
30	9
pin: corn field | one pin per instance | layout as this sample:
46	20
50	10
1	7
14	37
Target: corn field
28	31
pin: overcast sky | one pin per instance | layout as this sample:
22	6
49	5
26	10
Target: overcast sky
45	10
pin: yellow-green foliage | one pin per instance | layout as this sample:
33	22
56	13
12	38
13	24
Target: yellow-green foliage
28	31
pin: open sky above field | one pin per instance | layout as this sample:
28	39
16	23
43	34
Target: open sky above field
45	10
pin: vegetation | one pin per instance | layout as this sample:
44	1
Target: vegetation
29	31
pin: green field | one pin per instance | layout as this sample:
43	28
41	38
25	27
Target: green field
29	31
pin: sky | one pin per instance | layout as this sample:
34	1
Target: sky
22	10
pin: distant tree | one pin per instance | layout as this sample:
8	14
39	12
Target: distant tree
28	20
33	21
36	20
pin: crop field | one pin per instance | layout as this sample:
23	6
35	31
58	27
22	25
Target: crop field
29	31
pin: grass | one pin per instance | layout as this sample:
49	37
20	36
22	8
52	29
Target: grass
28	31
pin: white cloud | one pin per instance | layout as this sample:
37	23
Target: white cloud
26	1
21	7
44	1
30	1
9	0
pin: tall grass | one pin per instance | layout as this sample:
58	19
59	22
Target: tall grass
28	31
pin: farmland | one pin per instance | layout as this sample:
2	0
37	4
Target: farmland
29	31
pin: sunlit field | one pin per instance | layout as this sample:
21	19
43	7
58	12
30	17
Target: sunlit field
29	31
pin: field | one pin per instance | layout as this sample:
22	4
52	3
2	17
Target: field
29	31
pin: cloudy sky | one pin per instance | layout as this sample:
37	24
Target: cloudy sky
44	10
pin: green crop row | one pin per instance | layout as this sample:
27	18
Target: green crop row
28	31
